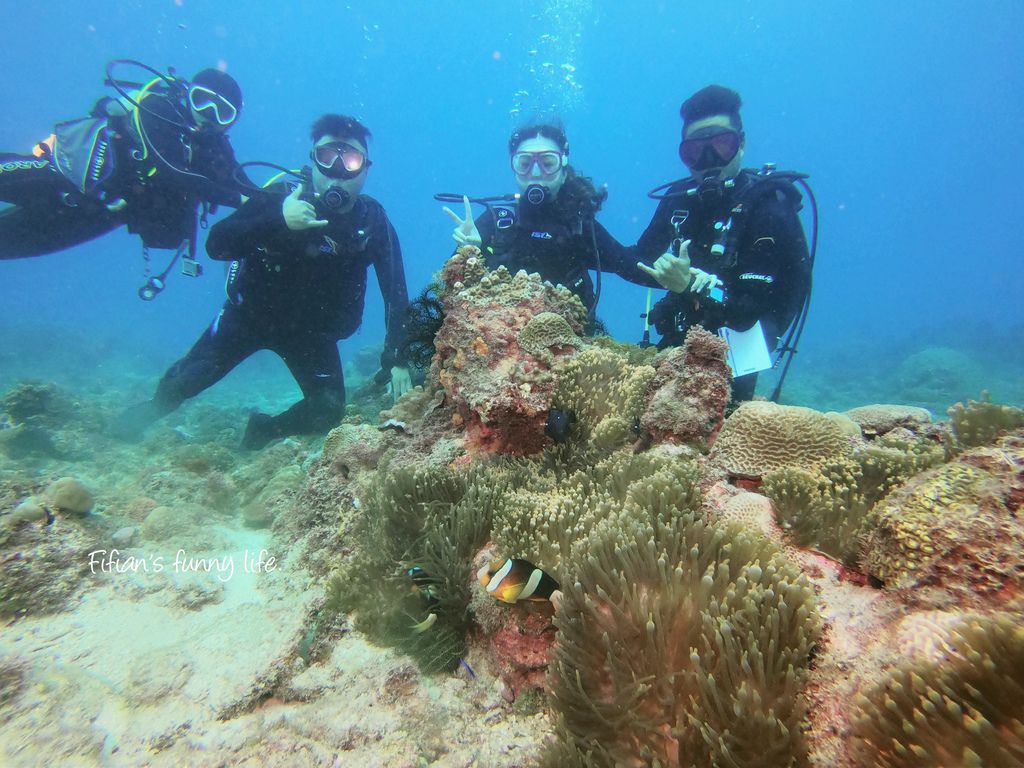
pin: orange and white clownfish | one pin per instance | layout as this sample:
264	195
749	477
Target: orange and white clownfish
513	580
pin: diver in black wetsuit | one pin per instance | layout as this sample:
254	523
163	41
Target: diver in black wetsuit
296	284
736	230
551	228
147	164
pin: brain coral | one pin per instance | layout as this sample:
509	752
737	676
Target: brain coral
761	436
546	330
962	708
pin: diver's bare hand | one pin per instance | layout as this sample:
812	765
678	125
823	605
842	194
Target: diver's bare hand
672	272
703	281
465	232
299	214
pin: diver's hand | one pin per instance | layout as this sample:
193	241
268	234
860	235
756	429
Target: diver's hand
703	281
465	232
672	272
401	381
298	214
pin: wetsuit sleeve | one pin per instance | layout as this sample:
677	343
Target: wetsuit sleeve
614	257
772	269
657	238
250	227
387	263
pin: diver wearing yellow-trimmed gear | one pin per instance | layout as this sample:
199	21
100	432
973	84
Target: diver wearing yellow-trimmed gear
146	161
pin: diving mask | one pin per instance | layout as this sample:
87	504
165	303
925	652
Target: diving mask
548	163
211	104
714	150
339	160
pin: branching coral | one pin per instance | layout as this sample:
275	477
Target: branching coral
963	708
760	437
681	643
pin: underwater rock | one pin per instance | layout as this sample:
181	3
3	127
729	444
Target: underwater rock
501	390
43	567
69	496
689	392
880	419
123	537
29	511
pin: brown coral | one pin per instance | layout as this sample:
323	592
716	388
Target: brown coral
761	436
950	535
501	389
689	392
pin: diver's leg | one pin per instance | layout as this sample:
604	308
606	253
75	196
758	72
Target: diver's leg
26	179
226	343
316	366
35	230
743	388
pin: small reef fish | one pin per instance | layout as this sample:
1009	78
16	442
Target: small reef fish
559	424
514	580
423	585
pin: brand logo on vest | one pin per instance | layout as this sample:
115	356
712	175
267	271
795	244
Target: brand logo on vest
542	235
755	276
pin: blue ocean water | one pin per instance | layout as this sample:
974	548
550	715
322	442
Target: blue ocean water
906	116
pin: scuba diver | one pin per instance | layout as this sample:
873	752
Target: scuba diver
738	233
146	159
549	227
296	284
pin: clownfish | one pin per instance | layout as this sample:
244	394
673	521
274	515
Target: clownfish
513	580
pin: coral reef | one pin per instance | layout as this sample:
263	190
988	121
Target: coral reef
69	496
500	390
951	535
934	376
760	437
879	419
689	392
825	508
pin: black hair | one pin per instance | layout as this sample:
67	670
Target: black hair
579	196
551	131
342	126
712	100
222	83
